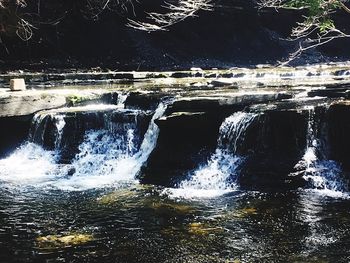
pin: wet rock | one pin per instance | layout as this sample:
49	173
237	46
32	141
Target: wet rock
189	132
272	145
231	101
13	132
185	140
339	130
181	74
145	101
342	72
331	92
224	83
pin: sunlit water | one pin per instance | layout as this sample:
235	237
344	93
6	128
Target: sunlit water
100	213
219	175
137	224
323	175
106	157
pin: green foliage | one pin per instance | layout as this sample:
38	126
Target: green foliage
74	99
318	26
319	12
326	25
315	7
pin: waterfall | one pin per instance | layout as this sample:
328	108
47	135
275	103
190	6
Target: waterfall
219	174
322	175
108	155
105	159
59	123
37	128
151	136
121	100
29	164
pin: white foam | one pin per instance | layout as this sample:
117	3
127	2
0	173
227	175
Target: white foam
121	100
324	176
60	124
217	177
29	164
104	159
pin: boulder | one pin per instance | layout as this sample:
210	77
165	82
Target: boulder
17	84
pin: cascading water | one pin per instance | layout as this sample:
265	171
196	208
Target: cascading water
29	164
322	174
106	156
218	175
121	100
38	125
59	123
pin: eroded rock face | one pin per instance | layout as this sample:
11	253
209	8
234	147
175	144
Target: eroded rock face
339	131
13	132
185	140
189	132
273	144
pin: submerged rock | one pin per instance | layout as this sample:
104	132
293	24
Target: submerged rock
244	212
197	228
58	241
172	208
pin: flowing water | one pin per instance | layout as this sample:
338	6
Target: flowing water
218	175
106	156
137	224
94	209
322	174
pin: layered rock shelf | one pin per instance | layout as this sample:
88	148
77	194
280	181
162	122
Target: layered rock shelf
272	145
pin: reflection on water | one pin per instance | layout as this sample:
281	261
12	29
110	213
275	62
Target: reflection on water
137	223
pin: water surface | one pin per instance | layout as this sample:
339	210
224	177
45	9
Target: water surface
136	223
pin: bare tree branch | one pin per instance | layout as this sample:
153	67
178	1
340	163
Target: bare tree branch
316	29
175	14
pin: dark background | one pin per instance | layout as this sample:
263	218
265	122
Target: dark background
234	34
